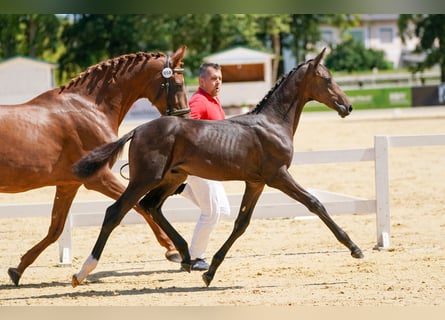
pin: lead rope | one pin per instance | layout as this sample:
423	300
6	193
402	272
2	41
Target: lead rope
120	171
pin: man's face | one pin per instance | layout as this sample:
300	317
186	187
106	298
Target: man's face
211	82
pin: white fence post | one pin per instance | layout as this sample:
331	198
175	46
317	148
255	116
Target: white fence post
381	144
65	243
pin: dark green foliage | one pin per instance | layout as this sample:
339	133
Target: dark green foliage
430	28
352	55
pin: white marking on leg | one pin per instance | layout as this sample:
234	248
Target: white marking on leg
88	266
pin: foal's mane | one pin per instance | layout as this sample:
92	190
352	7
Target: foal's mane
282	79
123	63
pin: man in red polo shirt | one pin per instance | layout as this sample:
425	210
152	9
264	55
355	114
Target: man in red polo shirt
204	103
208	195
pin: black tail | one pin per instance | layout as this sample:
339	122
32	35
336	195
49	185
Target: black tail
100	156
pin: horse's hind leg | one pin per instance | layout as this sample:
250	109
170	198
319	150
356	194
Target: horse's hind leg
107	184
288	185
152	203
62	203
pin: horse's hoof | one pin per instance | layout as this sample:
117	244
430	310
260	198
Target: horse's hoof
74	281
186	266
14	275
357	253
173	256
207	278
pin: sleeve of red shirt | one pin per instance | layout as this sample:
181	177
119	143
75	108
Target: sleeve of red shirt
198	107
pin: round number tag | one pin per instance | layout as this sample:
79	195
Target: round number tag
167	72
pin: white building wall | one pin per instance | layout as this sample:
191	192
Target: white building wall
22	79
245	93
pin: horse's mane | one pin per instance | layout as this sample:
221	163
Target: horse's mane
260	104
124	63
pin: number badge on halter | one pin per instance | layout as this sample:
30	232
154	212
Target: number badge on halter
167	72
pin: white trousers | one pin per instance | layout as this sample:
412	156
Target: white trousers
211	198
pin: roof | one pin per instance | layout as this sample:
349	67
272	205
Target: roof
239	55
25	59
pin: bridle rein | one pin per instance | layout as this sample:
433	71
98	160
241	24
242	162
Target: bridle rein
167	74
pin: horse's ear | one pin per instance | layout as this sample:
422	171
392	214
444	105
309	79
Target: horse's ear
319	57
178	55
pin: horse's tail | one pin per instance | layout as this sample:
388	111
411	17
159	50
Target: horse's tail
99	157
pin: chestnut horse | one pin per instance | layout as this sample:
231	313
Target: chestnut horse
256	147
45	136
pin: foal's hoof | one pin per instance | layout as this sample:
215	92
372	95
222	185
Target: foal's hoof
357	253
207	278
186	266
74	281
14	275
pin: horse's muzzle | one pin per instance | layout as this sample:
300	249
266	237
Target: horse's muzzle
343	110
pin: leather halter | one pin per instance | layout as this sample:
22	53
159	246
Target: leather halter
167	74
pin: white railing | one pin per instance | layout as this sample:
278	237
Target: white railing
381	147
270	204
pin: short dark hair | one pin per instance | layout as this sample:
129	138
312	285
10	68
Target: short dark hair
203	68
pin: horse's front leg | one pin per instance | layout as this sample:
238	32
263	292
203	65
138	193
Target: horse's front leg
61	206
251	194
289	186
152	203
113	216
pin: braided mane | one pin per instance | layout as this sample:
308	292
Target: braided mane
123	63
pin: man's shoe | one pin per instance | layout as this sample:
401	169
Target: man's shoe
199	265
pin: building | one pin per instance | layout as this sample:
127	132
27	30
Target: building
247	76
23	78
378	32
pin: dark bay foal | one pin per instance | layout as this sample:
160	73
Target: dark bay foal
256	147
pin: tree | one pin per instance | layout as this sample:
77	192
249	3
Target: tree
351	55
91	38
28	34
205	34
430	29
305	31
40	34
9	29
272	29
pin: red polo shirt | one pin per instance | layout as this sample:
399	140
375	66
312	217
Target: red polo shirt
204	106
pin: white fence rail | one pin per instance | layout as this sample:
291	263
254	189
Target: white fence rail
270	204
